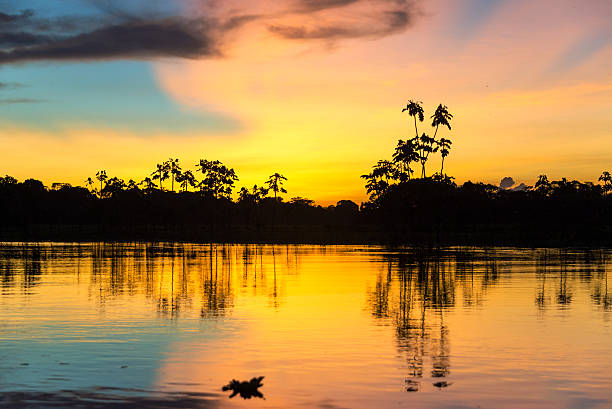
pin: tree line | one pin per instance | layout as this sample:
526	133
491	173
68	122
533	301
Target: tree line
405	204
215	180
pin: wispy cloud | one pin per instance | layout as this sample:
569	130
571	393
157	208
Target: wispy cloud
10	101
11	85
582	50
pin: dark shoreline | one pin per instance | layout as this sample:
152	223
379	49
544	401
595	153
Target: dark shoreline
512	236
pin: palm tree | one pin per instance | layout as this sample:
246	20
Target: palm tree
161	173
175	170
102	177
275	184
427	145
444	145
415	109
441	117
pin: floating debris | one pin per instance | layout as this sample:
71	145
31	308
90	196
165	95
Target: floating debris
247	390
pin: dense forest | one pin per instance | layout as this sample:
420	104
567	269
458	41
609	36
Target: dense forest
202	205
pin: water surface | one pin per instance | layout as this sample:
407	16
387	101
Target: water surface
167	325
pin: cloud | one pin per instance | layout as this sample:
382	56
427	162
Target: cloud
506	183
315	5
380	25
175	37
10	101
346	19
116	33
11	85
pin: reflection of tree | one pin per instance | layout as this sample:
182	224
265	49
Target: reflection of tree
413	294
571	268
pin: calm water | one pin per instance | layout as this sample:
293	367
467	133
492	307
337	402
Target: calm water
167	325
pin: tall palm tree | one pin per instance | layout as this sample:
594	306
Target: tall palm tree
174	169
415	110
102	177
275	184
441	117
161	173
427	145
444	145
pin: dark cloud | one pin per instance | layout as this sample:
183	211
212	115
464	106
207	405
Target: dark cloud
315	5
118	34
176	37
506	183
12	18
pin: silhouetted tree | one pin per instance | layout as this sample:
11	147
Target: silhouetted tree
90	184
301	201
441	117
275	184
218	179
132	185
379	180
405	154
113	186
445	145
102	177
415	110
161	173
254	196
148	184
186	179
174	169
606	178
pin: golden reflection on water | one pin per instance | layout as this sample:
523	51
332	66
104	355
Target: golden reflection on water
336	326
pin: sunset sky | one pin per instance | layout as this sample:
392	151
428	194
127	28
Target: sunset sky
312	89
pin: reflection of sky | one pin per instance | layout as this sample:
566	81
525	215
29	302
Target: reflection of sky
307	318
94	356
